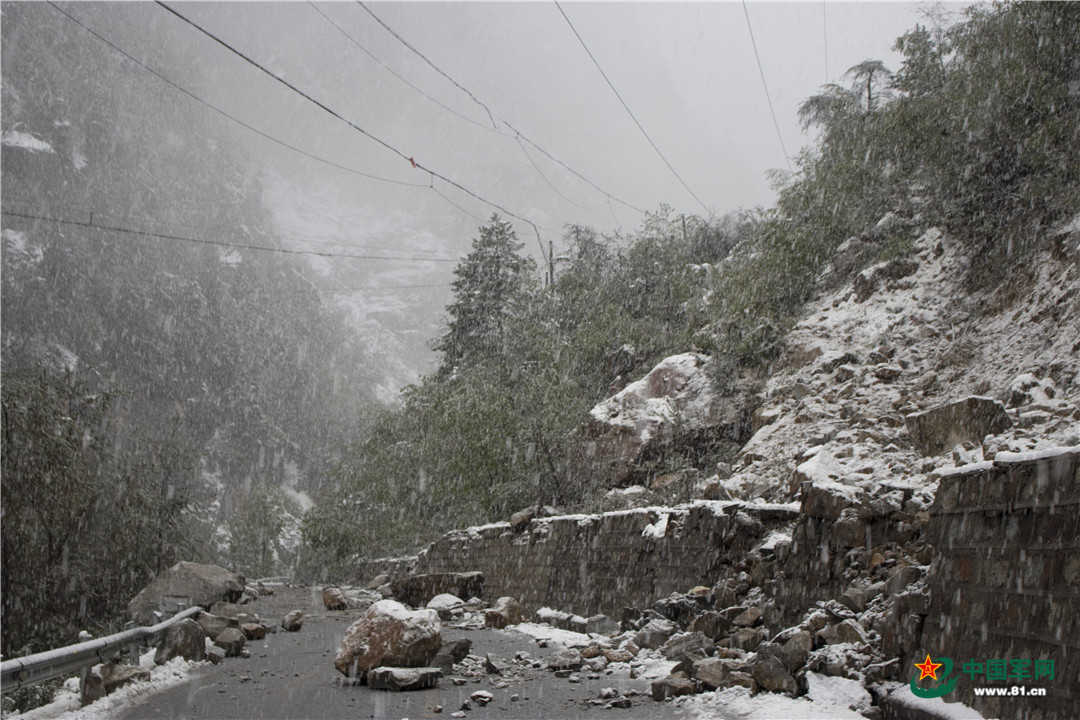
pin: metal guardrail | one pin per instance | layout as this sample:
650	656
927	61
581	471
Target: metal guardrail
32	669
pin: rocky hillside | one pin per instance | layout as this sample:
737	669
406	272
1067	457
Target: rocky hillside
908	335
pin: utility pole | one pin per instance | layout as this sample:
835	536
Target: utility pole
551	265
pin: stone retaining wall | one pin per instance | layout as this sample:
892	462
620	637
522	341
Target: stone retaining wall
1005	581
589	564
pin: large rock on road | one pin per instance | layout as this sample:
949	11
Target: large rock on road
389	634
188	582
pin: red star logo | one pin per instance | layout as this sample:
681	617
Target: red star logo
928	669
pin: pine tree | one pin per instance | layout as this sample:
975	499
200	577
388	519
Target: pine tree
491	282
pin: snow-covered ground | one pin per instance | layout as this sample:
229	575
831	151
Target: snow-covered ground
66	705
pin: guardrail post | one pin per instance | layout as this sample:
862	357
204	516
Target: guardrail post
134	646
84	672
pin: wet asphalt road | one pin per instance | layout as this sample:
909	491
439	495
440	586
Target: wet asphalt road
291	676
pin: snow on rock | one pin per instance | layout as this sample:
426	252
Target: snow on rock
542	631
737	703
857	367
25	141
66	705
901	695
657	529
389	634
675	396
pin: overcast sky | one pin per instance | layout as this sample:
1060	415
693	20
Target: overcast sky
687	72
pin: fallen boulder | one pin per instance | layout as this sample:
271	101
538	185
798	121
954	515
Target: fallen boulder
655	633
232	641
506	611
187	582
399	678
446	605
671	686
334	599
771	675
184	639
675	398
293	621
253	631
451	652
389	634
939	429
212	625
417	590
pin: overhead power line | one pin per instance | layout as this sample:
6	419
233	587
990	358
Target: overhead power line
435	67
390	70
90	224
627	108
517	133
354	126
766	86
225	114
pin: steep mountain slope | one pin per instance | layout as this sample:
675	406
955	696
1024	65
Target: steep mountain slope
907	335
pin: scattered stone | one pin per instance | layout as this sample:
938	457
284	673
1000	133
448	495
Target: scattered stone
253	631
747	618
458	714
389	634
193	583
506	611
114	677
609	693
747	638
567	659
671	686
378	581
334	599
232	641
771	675
481	697
446	605
451	653
941	428
617	655
855	599
623	702
228	610
293	621
711	624
900	577
848	631
515	697
184	639
212	625
712	672
458	681
521	519
794	652
655	633
888	372
402	679
215	654
495	665
691	642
